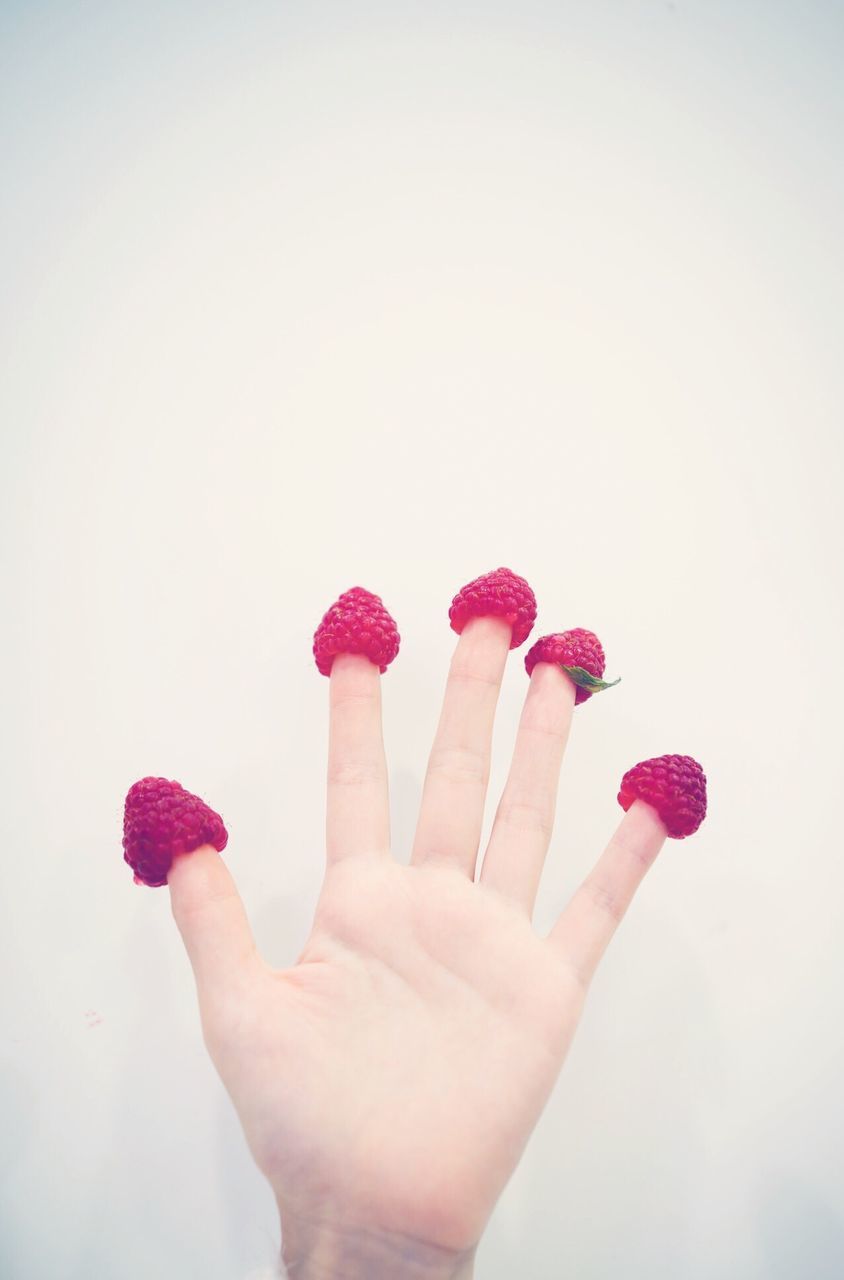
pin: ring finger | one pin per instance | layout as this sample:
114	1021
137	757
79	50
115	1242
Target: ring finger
524	819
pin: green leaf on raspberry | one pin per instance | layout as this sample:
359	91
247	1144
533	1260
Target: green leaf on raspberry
591	683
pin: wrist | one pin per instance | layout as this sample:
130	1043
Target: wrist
325	1251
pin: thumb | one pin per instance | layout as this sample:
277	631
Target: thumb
210	916
172	837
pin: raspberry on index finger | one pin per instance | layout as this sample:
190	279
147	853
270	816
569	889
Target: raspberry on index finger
357	622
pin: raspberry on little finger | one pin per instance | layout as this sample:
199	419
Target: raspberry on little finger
675	786
663	798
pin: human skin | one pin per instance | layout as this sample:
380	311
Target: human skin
388	1081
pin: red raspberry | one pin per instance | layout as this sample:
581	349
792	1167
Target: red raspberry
500	594
580	655
674	785
161	820
356	623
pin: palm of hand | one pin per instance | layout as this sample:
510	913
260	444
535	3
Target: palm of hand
400	1066
388	1082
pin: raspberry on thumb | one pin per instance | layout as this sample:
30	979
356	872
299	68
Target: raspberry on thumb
172	837
161	820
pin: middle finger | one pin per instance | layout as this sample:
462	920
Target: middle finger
452	809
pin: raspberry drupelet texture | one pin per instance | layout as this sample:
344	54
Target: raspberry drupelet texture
162	820
579	653
673	785
499	594
356	623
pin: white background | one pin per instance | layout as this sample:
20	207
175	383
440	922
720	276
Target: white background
298	297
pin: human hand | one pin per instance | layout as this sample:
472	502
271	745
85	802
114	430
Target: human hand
388	1082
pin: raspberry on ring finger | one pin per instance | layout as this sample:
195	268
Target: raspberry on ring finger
581	656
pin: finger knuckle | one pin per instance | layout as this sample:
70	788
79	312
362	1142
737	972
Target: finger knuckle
526	815
604	899
354	773
459	765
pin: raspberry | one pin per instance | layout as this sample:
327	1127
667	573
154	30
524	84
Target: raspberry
500	594
580	655
674	785
161	820
356	623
